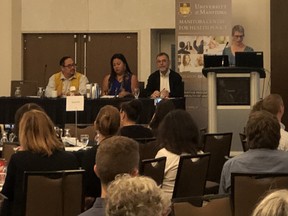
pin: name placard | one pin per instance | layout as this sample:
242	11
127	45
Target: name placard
75	103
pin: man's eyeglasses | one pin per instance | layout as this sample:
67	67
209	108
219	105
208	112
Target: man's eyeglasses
70	66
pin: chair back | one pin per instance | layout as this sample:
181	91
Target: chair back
153	168
216	206
53	193
191	175
219	145
28	87
248	189
8	150
82	129
244	143
149	149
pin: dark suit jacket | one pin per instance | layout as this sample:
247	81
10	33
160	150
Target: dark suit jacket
175	82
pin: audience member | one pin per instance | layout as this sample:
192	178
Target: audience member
106	125
20	112
40	151
263	135
164	82
116	155
273	103
178	134
121	81
136	196
66	79
129	114
274	204
237	44
162	109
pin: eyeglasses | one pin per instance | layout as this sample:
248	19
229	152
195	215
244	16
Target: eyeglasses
70	66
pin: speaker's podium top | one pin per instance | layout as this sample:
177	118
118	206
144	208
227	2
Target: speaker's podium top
207	70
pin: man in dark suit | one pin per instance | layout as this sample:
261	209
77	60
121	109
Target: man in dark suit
164	82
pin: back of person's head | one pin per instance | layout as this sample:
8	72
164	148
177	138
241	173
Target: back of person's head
272	103
274	204
132	109
116	155
162	109
178	133
37	134
107	121
136	196
20	112
262	130
258	106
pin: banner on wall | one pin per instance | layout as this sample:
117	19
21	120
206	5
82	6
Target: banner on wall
202	27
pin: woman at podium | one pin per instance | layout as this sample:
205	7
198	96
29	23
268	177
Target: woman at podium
237	44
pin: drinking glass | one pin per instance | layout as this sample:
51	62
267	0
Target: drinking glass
40	92
136	93
84	139
17	92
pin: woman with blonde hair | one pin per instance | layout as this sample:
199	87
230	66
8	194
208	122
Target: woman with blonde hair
274	204
40	150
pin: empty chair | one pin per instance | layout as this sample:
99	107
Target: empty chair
28	87
53	193
248	189
191	175
82	129
244	143
219	145
218	205
153	168
9	148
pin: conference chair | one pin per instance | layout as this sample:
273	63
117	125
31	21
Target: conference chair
149	149
218	145
191	175
82	129
28	87
9	148
247	189
53	193
244	143
216	205
153	168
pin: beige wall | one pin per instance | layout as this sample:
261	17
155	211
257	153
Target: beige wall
111	16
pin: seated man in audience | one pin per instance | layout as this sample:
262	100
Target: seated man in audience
139	195
115	155
263	135
164	82
66	80
273	103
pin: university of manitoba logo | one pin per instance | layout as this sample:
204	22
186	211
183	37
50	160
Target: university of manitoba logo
184	9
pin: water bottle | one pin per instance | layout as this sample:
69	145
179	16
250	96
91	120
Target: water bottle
95	91
40	92
17	92
88	90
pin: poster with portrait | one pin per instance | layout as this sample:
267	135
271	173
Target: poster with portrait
202	27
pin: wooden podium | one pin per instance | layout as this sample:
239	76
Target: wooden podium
231	93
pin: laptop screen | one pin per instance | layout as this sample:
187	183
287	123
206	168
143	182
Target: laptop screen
215	61
249	59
